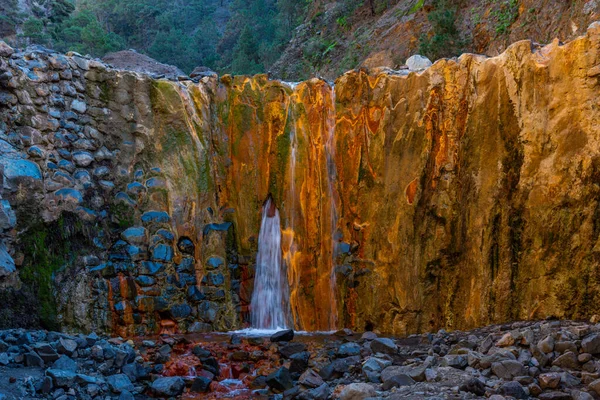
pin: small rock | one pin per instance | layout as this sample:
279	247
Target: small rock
513	389
384	345
549	380
398	381
474	386
280	380
357	391
201	385
591	344
547	345
119	383
311	379
283	336
418	62
170	386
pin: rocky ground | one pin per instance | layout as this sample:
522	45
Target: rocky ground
545	360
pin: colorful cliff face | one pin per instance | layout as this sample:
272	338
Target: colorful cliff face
456	197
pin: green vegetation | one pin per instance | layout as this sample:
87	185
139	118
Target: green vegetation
445	40
236	36
48	248
506	16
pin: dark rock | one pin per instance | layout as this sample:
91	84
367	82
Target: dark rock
46	352
45	385
283	336
591	344
507	369
201	385
126	395
474	386
61	377
200	352
398	381
299	362
291	348
552	396
66	346
118	383
65	363
186	246
280	380
513	389
240	355
567	361
259	382
136	371
338	367
383	345
33	360
171	386
211	364
310	379
348	349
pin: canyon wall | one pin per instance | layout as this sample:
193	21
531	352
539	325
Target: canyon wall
454	197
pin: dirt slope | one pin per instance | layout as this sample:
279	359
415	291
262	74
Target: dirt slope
332	40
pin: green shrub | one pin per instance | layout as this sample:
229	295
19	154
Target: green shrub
445	40
506	16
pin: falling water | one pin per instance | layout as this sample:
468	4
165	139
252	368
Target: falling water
332	177
270	287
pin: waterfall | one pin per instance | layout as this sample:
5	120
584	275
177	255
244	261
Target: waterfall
270	286
332	178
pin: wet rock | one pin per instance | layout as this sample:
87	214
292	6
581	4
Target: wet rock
171	386
283	336
280	380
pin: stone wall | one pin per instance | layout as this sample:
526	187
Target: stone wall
453	197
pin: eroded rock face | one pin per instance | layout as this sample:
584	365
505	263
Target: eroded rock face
455	197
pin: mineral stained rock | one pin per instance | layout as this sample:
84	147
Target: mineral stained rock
458	196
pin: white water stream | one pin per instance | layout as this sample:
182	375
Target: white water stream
270	296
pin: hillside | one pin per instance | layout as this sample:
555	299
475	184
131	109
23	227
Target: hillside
292	40
335	38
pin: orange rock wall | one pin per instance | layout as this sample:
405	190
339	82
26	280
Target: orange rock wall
468	193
